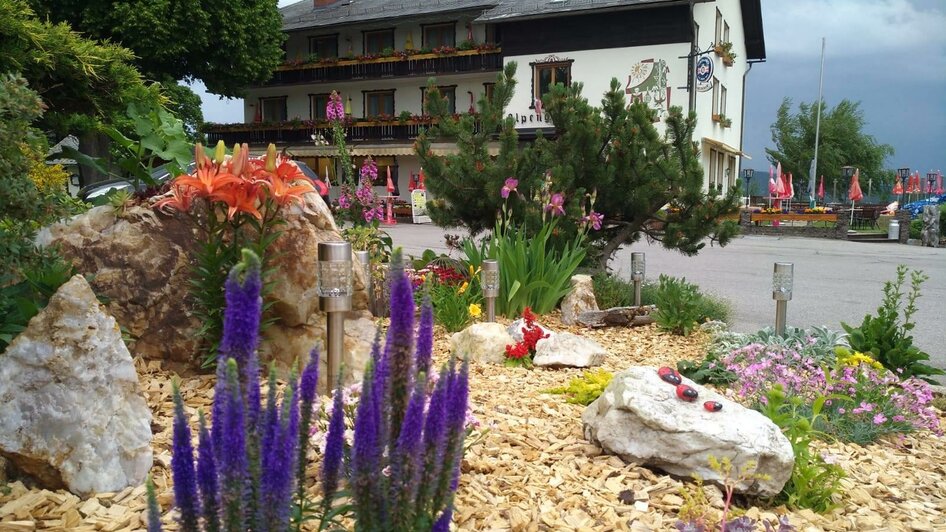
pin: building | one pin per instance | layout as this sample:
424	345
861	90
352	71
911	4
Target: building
379	55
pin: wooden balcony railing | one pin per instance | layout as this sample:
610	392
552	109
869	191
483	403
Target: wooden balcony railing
301	132
459	62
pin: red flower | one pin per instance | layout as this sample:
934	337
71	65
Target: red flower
517	351
528	316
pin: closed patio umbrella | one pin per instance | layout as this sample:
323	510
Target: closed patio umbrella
897	186
855	194
939	187
821	189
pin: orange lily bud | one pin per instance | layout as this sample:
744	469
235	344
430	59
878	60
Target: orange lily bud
220	152
199	155
236	162
271	158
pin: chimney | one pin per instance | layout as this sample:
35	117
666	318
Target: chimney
321	3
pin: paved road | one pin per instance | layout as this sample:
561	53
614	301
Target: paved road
835	281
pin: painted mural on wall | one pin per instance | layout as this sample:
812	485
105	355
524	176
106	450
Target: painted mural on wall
649	82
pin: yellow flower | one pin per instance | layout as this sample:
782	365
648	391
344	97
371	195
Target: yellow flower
463	287
857	358
475	310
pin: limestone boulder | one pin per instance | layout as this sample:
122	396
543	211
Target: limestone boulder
640	419
71	411
484	343
580	299
141	262
568	350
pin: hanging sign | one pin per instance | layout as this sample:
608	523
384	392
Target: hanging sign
704	73
419	206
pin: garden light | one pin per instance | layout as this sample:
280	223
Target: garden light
637	275
489	278
334	287
782	279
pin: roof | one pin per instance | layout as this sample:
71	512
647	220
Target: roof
303	14
520	9
752	26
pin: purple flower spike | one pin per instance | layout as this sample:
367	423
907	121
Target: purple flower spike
443	522
425	337
557	205
233	466
366	456
207	478
241	318
154	511
310	378
182	466
334	450
399	347
509	187
407	459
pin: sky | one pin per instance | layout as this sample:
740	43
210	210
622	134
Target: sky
888	54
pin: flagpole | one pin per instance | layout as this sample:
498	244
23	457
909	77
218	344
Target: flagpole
814	162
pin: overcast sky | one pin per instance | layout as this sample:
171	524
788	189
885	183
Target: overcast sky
888	54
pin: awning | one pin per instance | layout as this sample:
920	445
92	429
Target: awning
376	150
722	146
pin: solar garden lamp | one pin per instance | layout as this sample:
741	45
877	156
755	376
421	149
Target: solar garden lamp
489	279
782	279
637	275
334	286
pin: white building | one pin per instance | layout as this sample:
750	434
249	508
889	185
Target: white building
379	54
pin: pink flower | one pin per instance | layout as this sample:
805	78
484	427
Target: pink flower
334	110
879	419
557	205
595	219
509	186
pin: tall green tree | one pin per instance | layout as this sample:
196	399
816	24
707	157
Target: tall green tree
228	45
612	154
842	142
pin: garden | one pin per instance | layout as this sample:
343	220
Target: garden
167	355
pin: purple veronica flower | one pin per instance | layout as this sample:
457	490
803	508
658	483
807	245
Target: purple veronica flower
334	450
434	440
509	187
399	347
425	337
556	205
233	466
207	478
443	522
366	456
182	466
154	511
310	378
407	459
241	318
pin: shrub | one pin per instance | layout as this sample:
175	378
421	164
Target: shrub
249	474
916	229
455	307
886	338
677	307
585	389
22	300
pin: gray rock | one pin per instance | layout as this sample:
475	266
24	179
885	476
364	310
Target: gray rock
568	350
515	329
71	411
640	419
929	235
580	299
482	342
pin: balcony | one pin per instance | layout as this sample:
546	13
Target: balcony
300	132
396	66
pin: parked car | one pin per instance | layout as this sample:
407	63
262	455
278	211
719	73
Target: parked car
98	191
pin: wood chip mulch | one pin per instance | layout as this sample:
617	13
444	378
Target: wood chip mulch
533	470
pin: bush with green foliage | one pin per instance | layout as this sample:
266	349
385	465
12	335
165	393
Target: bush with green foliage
886	338
455	305
681	306
585	389
22	300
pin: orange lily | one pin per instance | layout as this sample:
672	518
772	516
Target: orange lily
239	197
284	192
206	179
180	199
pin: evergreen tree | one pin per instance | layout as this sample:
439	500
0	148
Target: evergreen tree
612	155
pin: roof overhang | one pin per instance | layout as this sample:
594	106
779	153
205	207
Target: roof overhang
722	146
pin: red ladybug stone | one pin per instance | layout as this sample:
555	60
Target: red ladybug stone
669	375
686	393
713	406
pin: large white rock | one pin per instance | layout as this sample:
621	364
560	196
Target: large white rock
482	342
71	412
640	419
568	350
580	299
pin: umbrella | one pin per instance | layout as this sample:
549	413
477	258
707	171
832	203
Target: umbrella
855	194
771	183
821	188
421	184
897	186
939	188
390	182
791	186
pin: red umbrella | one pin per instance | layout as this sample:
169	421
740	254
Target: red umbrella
855	194
897	186
390	182
791	186
939	188
420	185
821	189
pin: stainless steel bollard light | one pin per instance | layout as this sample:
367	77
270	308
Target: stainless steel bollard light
334	288
638	264
489	279
782	280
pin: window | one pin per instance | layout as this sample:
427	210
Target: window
379	103
715	96
712	167
731	172
325	167
719	26
273	109
488	88
722	99
377	41
492	34
720	161
383	162
449	92
317	105
544	75
324	46
725	32
437	35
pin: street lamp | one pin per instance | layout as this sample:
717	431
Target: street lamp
334	287
637	274
904	175
782	279
847	172
930	179
489	279
747	175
